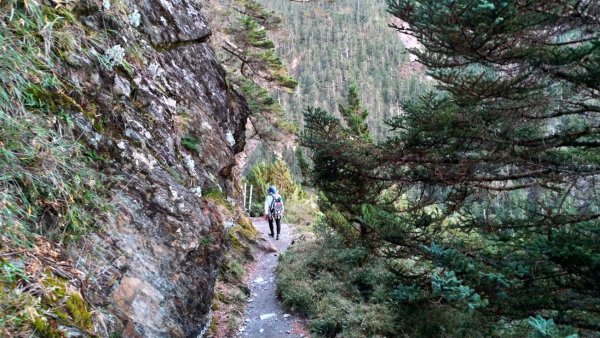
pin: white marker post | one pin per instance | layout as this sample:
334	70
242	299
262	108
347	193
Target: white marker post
250	202
244	195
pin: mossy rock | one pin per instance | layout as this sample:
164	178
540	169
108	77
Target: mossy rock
234	240
246	224
46	328
58	287
79	312
66	308
218	197
219	296
212	328
241	241
248	233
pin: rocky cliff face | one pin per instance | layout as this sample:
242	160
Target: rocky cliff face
168	126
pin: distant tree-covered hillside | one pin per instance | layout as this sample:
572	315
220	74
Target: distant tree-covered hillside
328	45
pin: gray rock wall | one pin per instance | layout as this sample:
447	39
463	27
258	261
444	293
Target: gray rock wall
151	267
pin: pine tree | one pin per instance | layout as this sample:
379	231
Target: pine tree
254	67
492	180
354	114
254	50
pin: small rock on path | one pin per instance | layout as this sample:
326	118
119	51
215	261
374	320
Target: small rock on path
264	315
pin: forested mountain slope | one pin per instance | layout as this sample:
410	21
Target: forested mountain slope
327	45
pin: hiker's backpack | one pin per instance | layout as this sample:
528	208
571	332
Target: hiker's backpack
277	207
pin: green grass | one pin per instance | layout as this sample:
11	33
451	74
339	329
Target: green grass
49	182
218	197
190	143
317	283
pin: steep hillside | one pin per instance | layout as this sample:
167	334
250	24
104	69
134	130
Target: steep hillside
115	117
329	44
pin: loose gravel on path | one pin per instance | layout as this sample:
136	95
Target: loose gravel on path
264	315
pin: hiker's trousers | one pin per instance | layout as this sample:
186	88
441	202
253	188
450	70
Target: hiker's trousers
278	222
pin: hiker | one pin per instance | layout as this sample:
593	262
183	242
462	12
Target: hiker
273	209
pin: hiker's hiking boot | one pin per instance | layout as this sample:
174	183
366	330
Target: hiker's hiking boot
277	238
270	235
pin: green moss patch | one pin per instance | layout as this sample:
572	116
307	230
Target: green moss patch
79	312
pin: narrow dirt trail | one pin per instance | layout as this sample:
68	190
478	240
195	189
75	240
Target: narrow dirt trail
265	317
